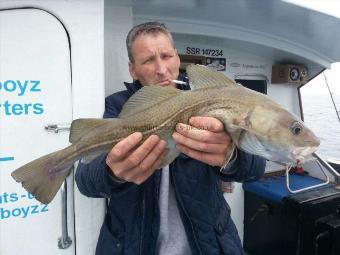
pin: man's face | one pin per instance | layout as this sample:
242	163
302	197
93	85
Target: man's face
155	60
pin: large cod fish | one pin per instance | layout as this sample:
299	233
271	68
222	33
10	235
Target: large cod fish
255	123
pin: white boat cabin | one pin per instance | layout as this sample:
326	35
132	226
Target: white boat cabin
59	59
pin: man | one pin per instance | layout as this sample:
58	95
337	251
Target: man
179	209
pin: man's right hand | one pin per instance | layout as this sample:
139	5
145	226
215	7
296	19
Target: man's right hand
133	163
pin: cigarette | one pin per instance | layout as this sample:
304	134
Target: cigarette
179	82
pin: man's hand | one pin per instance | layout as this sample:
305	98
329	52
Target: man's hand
133	163
204	139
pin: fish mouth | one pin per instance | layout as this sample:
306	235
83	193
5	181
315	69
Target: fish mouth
299	154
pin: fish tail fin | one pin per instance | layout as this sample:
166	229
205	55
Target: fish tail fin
44	176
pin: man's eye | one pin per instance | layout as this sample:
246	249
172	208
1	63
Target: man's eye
167	56
147	61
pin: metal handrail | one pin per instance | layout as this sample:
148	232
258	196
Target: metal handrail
65	240
288	168
323	164
330	169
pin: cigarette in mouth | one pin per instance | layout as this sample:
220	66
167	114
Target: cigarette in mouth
179	82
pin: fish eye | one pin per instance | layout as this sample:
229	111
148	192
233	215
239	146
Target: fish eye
296	128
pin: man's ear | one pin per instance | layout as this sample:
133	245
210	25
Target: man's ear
132	71
178	59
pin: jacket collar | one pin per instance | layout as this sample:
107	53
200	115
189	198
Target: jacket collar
135	85
132	87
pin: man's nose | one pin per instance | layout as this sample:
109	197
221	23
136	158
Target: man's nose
160	67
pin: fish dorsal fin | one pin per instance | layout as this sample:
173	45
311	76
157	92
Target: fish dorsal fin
147	97
202	77
80	127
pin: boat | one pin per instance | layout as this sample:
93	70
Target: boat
59	59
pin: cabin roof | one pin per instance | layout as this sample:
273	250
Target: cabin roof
278	29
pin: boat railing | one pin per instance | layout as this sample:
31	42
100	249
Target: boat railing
324	167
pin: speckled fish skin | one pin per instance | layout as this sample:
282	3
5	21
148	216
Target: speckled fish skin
255	123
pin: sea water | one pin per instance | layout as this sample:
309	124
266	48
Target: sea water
321	117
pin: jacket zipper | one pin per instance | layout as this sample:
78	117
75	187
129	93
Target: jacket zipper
186	213
142	225
157	188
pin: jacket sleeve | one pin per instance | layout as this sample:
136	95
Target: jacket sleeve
93	179
245	167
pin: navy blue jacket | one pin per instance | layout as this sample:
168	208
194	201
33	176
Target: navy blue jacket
132	219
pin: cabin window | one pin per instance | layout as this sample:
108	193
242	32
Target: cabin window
257	85
190	59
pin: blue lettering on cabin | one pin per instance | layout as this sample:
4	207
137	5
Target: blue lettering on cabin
6	158
20	211
20	88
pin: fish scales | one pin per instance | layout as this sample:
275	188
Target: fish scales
159	120
162	119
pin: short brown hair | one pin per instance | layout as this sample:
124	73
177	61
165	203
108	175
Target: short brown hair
153	27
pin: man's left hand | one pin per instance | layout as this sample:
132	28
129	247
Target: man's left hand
204	139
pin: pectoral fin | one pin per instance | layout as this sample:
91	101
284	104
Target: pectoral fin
250	143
